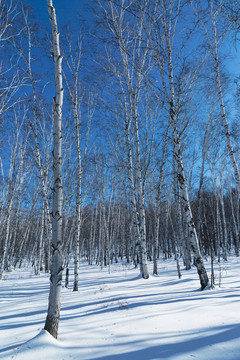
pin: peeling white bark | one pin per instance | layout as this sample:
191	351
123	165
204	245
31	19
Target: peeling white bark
54	303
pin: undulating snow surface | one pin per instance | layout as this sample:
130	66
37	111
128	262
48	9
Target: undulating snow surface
121	316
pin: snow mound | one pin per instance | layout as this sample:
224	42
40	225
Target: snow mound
42	346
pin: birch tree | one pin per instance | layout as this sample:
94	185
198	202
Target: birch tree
10	77
72	57
215	39
161	21
52	320
158	204
15	178
42	162
133	61
216	29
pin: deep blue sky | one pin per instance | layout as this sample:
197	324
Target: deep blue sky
67	10
70	10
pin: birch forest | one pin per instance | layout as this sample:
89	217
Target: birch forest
147	92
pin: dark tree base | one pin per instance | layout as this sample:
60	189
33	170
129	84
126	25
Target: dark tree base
51	325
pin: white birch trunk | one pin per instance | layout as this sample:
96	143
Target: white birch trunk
78	206
214	48
222	107
204	155
40	243
188	213
221	199
12	189
6	238
133	203
162	45
73	90
182	182
133	60
19	200
234	224
158	207
141	196
34	128
54	302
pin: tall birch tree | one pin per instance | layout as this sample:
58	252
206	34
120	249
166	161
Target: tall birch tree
54	302
161	20
72	79
129	68
215	39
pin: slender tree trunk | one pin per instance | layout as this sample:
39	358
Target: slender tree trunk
77	209
204	155
234	224
78	205
167	14
225	235
11	196
180	174
158	207
222	108
140	243
34	127
15	231
188	214
52	320
6	238
141	196
40	243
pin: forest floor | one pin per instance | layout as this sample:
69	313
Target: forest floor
119	316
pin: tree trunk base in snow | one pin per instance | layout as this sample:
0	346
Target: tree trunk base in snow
51	325
67	277
202	273
75	286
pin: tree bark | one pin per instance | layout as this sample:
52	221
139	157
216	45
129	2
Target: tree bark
54	302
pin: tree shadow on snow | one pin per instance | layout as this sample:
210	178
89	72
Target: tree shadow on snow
11	347
110	303
223	335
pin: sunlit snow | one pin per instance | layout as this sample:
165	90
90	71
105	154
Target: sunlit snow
118	315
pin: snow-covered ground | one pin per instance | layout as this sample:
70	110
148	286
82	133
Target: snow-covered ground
121	316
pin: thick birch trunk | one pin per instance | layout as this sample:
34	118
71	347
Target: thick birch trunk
53	315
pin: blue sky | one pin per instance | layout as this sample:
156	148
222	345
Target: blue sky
69	10
66	10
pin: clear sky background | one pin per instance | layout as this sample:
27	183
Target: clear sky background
66	10
70	10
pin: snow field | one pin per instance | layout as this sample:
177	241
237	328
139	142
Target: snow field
121	316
